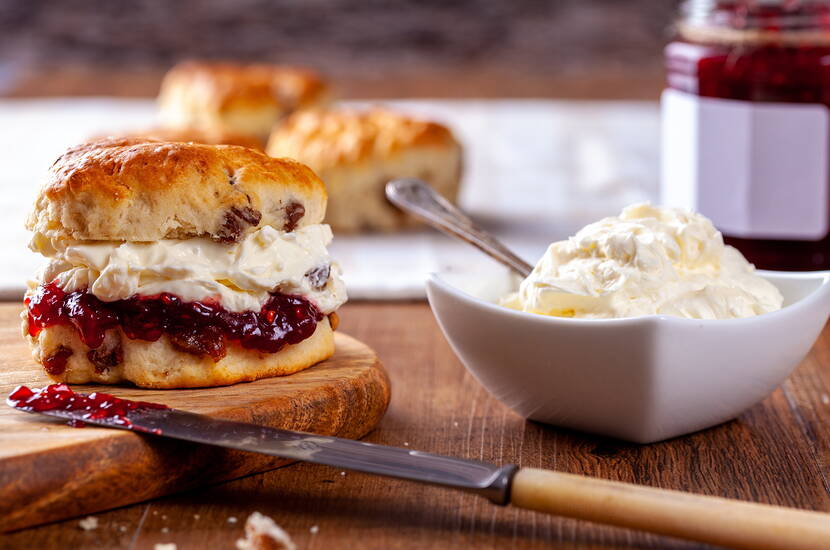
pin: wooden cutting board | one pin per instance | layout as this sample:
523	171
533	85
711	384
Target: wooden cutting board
50	471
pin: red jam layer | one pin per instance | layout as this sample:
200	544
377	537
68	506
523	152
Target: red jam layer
201	328
95	406
760	70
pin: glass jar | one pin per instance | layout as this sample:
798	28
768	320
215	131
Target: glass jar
745	126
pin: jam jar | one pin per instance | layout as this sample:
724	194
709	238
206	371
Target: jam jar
745	126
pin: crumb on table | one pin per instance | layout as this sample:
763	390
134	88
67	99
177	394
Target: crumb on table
263	533
88	523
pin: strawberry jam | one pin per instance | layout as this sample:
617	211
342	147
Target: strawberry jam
202	328
771	53
95	406
748	51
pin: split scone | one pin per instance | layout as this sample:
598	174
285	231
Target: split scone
180	265
240	99
357	152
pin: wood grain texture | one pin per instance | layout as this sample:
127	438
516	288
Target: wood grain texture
50	471
777	452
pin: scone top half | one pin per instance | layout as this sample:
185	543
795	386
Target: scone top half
179	264
137	189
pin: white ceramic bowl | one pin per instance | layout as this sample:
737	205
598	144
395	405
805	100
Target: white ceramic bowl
641	379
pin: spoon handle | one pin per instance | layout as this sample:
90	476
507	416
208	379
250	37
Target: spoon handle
419	199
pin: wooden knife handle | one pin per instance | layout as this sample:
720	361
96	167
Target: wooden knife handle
720	521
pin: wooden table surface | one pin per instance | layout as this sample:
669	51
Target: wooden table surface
777	452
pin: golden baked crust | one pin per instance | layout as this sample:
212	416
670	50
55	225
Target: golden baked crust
357	152
247	99
143	190
191	135
334	137
160	365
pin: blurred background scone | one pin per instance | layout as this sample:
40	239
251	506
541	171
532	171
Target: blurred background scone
208	136
180	265
235	98
357	152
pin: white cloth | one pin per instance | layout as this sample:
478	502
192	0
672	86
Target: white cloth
535	172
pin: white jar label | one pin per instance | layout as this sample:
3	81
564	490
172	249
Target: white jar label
757	170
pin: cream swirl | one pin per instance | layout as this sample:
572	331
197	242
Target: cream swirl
239	275
649	260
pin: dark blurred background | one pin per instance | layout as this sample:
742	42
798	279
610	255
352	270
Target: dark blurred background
373	49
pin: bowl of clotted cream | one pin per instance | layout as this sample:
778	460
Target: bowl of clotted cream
642	326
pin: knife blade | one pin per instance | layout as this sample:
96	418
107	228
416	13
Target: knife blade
487	480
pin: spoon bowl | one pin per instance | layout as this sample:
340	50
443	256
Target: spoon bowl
421	201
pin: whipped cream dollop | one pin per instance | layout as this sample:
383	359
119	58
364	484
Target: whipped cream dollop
239	275
648	260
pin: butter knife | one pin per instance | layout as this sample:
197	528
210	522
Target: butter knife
713	520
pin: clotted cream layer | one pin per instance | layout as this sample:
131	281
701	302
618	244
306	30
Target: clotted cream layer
240	275
649	260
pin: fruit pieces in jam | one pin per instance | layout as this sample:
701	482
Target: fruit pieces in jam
201	328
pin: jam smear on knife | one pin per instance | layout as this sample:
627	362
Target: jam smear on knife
95	406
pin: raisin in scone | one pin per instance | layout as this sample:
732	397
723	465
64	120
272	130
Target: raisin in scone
236	98
357	152
180	265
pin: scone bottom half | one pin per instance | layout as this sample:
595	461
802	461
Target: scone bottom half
162	340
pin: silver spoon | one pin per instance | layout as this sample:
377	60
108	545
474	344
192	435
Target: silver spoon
419	199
